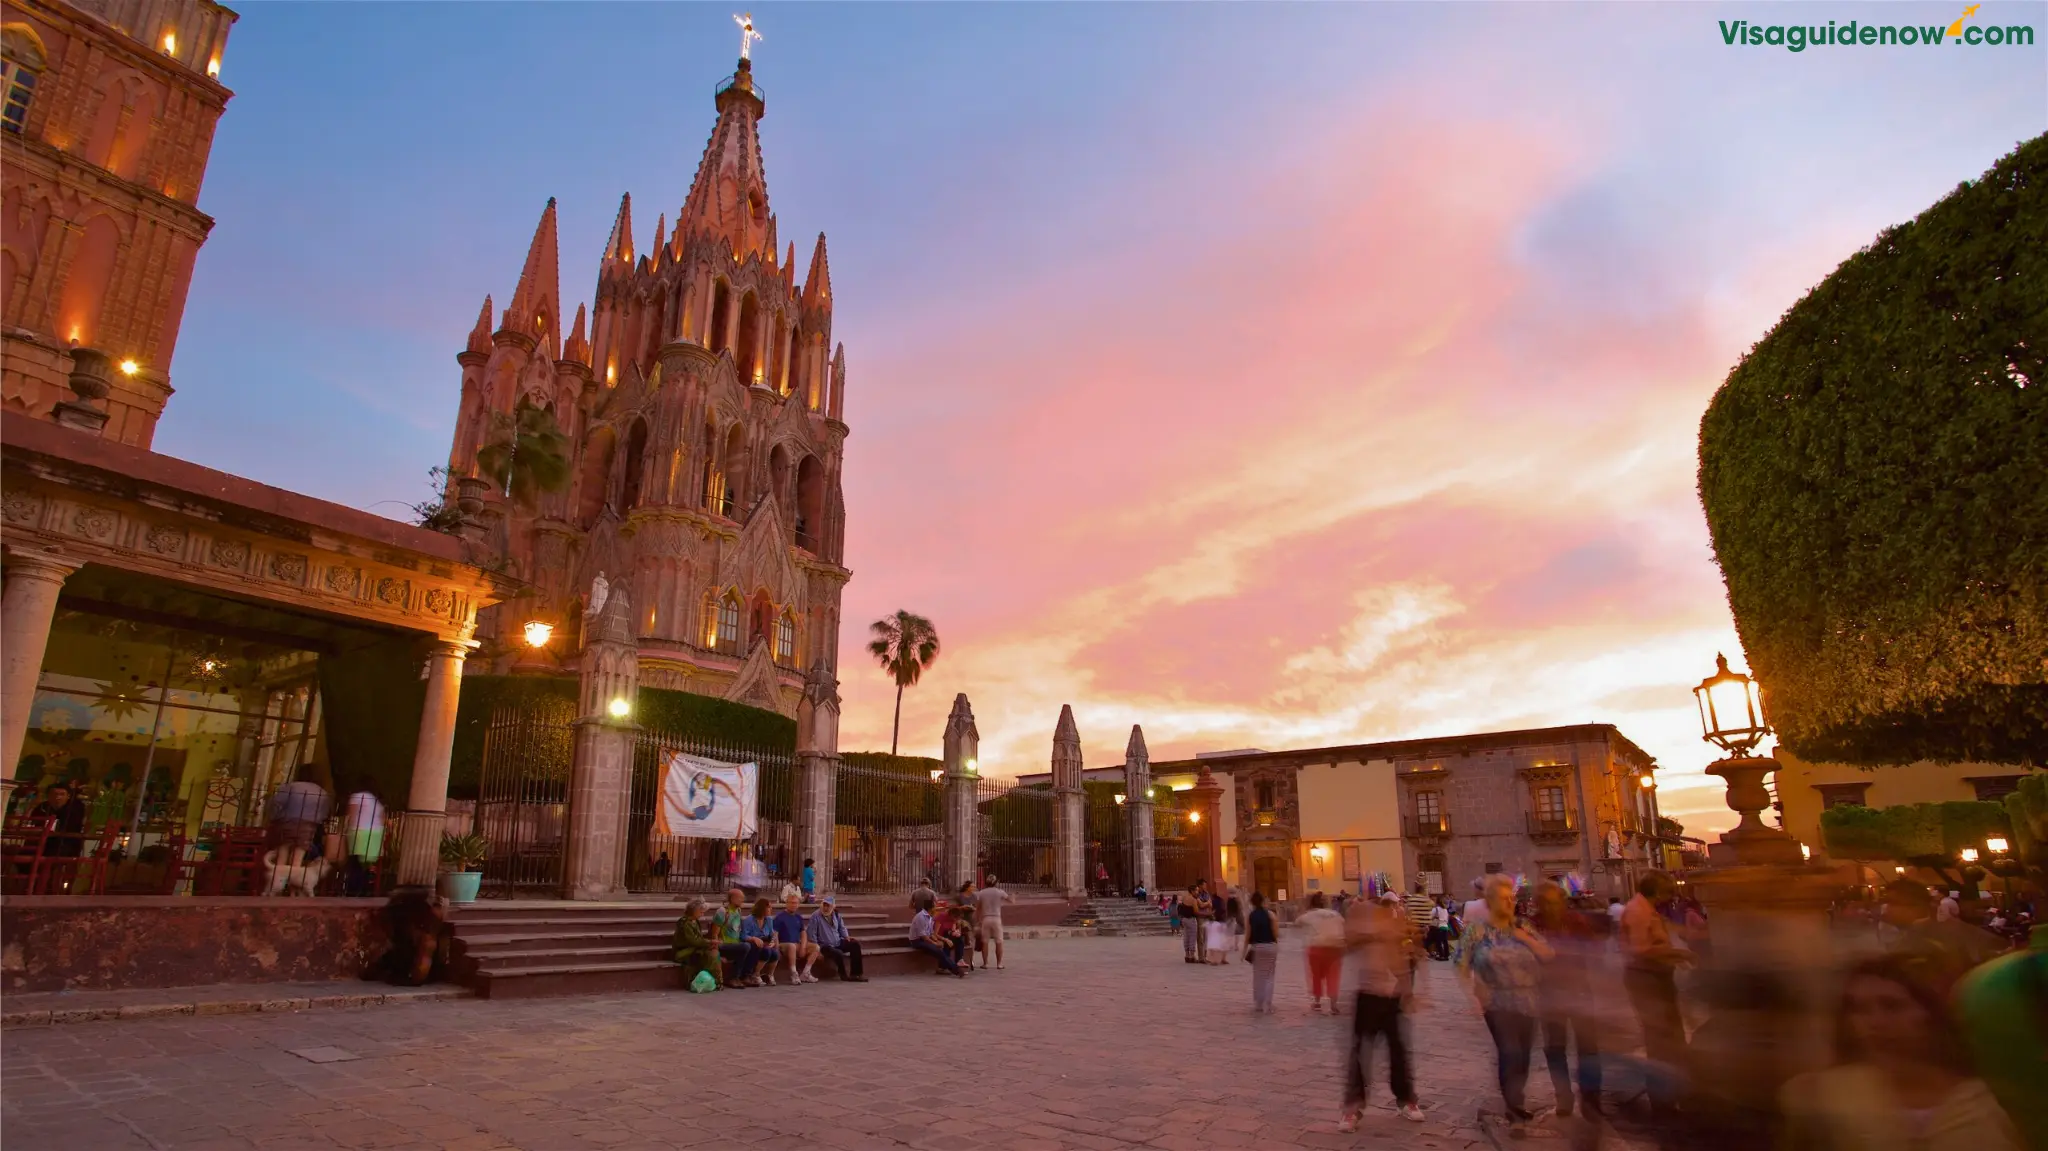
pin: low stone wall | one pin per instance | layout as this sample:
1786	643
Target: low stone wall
110	943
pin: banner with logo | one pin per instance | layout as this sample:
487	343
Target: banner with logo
705	799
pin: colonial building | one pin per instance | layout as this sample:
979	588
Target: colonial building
108	117
179	641
1804	789
1556	802
701	396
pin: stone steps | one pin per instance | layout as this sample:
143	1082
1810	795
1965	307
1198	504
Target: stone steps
1119	917
521	951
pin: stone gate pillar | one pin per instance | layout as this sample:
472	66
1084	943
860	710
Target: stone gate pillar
1069	812
1209	805
1138	809
601	775
817	781
962	850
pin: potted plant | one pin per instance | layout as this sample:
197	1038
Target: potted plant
462	854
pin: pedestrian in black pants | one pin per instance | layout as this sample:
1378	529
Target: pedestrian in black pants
828	931
1380	939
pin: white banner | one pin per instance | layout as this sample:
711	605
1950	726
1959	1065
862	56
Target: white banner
706	799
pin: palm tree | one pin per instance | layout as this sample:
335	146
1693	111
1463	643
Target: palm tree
904	645
530	455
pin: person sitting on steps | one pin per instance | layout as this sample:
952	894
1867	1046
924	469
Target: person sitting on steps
758	930
827	932
924	936
799	954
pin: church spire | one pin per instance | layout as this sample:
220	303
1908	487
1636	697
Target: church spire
534	309
660	239
818	284
729	198
480	336
620	246
578	347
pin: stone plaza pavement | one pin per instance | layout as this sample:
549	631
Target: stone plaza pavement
1080	1043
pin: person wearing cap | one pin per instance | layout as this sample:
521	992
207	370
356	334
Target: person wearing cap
827	932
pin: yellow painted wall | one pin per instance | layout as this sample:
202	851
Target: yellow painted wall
1328	873
1353	801
1923	782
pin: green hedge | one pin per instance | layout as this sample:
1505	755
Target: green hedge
1930	831
1872	473
680	713
920	765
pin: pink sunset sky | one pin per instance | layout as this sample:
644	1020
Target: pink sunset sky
1268	376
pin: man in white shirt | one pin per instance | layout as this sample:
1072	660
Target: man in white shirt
1475	907
1950	908
988	921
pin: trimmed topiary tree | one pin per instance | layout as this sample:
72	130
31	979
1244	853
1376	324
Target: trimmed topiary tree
1875	478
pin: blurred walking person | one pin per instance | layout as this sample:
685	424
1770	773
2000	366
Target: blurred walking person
1499	960
1188	910
1325	949
1650	962
1381	942
1564	998
1901	1081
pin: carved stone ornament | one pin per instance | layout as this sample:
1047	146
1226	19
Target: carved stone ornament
22	509
290	569
391	590
341	580
440	601
93	523
230	554
165	540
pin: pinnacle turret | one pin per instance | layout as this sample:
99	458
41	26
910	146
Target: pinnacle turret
818	283
620	246
535	309
480	336
728	199
578	347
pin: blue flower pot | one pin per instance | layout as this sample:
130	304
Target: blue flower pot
459	886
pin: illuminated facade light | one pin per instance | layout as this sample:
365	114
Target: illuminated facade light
1996	844
538	633
1969	855
620	709
130	367
171	43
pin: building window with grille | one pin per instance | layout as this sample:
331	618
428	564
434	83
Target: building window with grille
1841	794
1429	806
785	639
21	64
1265	791
1993	787
1550	804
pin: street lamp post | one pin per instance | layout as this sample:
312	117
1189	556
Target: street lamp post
1732	718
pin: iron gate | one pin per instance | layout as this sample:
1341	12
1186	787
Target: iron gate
1017	842
664	863
1176	846
1107	831
890	828
522	804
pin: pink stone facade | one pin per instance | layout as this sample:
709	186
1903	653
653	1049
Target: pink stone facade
702	398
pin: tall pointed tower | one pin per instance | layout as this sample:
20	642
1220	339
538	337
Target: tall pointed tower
701	398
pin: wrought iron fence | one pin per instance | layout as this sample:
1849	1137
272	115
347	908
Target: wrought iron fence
665	863
1176	845
1108	845
1016	833
890	828
522	804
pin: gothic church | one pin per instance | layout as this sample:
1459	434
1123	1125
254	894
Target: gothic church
702	399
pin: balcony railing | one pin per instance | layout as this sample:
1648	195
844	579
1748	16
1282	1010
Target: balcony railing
1560	825
1419	826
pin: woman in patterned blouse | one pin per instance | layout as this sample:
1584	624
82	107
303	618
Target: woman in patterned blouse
1498	960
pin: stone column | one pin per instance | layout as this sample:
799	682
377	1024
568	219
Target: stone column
34	577
1069	813
1209	804
1138	806
817	781
426	807
962	851
601	774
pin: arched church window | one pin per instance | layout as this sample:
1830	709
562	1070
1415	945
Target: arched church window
21	64
721	308
636	458
728	624
746	353
785	639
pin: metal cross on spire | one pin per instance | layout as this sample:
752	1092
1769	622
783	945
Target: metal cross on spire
747	35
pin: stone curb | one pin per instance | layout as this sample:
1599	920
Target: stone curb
249	1006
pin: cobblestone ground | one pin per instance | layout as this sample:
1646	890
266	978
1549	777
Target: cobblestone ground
1081	1043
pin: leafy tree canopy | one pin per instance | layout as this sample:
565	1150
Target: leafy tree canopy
1872	473
1927	834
